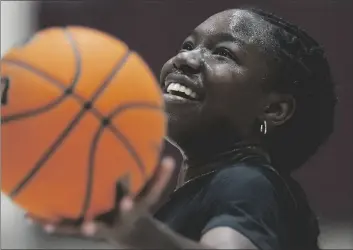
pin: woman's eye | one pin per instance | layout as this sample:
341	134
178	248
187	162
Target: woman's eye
225	53
187	46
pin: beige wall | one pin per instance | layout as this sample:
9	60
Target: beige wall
17	22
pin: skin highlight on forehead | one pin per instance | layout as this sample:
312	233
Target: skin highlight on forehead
242	24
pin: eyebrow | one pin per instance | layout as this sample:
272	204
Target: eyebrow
223	36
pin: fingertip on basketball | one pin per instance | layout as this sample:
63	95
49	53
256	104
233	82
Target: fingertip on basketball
168	162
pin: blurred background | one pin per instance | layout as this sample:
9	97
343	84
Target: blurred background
156	29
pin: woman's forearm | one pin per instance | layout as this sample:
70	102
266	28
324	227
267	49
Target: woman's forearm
149	233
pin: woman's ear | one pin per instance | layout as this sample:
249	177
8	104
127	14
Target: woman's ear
279	109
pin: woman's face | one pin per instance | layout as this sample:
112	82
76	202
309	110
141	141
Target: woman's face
216	81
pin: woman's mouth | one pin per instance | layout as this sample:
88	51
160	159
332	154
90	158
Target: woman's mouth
180	87
182	91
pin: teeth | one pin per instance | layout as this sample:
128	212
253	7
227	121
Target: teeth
180	88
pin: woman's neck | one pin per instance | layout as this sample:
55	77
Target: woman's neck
210	162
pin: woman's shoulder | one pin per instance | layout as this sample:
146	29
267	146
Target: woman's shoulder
245	173
252	182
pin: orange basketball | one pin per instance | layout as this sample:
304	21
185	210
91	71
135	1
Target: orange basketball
80	111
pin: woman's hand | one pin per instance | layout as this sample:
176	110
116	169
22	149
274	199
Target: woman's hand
129	212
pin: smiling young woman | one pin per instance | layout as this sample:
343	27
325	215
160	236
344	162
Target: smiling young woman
249	98
262	103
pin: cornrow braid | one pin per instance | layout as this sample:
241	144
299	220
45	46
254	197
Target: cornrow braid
303	72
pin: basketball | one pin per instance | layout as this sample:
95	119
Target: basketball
80	112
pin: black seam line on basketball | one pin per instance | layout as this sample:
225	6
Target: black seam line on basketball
50	79
68	129
38	72
110	77
117	133
32	173
95	112
53	104
120	136
90	173
133	105
77	56
29	113
128	146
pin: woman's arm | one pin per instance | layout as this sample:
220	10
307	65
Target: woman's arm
154	234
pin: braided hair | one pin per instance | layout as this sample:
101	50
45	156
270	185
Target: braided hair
304	72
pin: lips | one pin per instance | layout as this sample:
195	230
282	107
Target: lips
182	87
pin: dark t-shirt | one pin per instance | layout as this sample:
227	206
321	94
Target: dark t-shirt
249	198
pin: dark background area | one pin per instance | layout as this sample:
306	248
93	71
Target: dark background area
156	30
